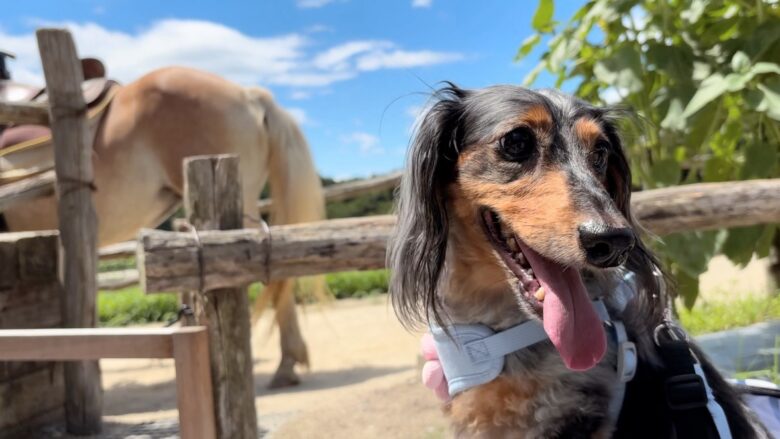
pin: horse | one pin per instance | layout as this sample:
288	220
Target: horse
140	140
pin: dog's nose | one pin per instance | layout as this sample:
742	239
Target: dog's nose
606	246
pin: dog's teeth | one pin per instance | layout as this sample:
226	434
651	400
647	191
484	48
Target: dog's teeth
521	259
539	294
531	272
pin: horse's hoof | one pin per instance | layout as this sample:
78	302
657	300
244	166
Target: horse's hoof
284	379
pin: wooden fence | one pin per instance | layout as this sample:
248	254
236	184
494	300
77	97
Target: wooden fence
187	346
32	296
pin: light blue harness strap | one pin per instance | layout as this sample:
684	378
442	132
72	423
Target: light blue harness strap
505	342
475	353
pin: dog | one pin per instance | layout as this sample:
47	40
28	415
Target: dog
515	206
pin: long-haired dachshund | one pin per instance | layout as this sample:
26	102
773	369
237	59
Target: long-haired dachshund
515	206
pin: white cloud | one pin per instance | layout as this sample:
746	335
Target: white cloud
339	57
311	4
287	60
422	3
398	59
318	28
300	95
366	143
299	114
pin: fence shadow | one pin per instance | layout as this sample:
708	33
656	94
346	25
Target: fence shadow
129	398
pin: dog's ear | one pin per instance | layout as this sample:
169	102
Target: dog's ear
641	260
419	244
618	174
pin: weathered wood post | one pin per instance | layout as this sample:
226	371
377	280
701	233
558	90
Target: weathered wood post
77	219
212	201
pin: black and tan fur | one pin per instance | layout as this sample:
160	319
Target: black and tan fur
445	270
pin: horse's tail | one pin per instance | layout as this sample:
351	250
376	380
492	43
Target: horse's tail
296	188
296	191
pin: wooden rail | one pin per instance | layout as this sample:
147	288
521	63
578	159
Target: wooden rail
343	191
188	347
179	261
24	112
41	185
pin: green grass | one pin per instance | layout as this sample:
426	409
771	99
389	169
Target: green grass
717	316
131	306
357	283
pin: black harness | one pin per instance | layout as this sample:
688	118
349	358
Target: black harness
685	391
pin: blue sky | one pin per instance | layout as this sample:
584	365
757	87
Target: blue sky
354	72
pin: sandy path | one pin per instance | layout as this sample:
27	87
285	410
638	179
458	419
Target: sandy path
363	382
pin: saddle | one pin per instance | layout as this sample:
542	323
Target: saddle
17	142
94	84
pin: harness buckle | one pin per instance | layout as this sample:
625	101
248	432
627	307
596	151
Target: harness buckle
685	392
670	330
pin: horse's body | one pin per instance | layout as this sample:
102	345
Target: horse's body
155	122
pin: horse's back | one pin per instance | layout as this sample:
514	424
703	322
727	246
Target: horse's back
179	112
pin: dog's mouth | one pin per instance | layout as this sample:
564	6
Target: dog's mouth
556	294
507	245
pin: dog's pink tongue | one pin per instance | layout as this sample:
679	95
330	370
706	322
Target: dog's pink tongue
569	318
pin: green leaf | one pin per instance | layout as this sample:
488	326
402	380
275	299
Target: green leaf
542	21
531	76
666	172
737	81
527	45
710	89
717	169
694	12
760	161
771	101
674	119
701	71
687	287
691	251
622	69
741	242
764	245
740	62
700	125
765	67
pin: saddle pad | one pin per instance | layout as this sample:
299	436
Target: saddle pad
22	133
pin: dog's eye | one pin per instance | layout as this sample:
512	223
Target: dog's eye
599	156
517	145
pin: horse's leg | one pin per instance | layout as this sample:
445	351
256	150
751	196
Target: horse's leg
292	345
281	296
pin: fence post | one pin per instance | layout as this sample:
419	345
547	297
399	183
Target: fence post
77	219
212	201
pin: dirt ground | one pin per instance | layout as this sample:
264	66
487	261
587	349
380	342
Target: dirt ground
363	381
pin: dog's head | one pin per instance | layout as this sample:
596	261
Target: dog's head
541	175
